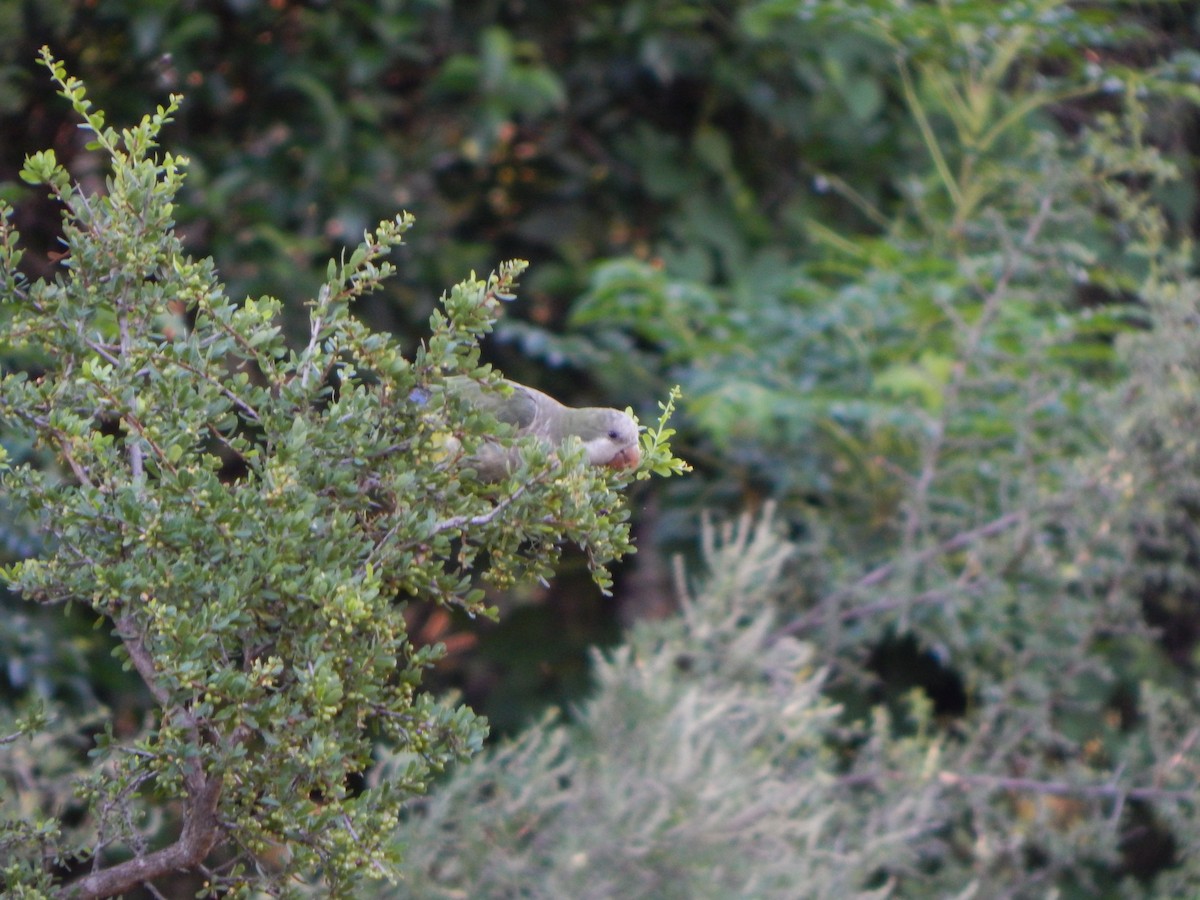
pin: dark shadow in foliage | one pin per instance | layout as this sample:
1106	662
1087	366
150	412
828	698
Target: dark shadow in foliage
903	665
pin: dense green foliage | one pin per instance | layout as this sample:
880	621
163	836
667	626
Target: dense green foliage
246	515
923	271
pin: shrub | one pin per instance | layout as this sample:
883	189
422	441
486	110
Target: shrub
251	519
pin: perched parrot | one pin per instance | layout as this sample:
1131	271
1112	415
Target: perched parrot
610	437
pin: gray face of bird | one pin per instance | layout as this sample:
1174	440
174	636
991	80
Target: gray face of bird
616	446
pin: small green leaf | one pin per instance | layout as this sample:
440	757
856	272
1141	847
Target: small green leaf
40	167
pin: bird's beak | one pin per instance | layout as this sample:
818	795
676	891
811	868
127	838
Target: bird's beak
626	459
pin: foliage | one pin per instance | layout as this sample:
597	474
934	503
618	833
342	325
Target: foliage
977	418
611	804
248	515
712	762
917	269
760	744
512	129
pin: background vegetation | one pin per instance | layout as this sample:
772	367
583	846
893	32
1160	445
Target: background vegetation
924	273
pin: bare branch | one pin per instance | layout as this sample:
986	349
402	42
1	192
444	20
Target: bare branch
1066	789
196	840
818	616
135	646
882	573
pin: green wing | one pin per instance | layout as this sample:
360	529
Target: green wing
519	409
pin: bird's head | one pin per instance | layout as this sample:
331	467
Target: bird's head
610	438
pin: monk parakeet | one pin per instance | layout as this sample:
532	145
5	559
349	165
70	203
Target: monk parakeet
609	436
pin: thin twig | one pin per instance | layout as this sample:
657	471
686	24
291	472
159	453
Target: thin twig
482	519
100	350
237	401
453	523
378	866
932	450
80	472
1179	755
196	839
1067	789
316	323
882	573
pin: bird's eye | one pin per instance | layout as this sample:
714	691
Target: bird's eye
612	435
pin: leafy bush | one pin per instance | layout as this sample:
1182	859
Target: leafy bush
249	517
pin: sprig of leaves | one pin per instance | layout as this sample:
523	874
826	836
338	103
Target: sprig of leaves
657	456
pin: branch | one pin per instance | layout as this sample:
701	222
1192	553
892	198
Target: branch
135	646
931	453
233	398
201	826
1110	791
315	324
886	571
135	451
817	616
65	451
452	523
1066	789
196	840
483	518
958	542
